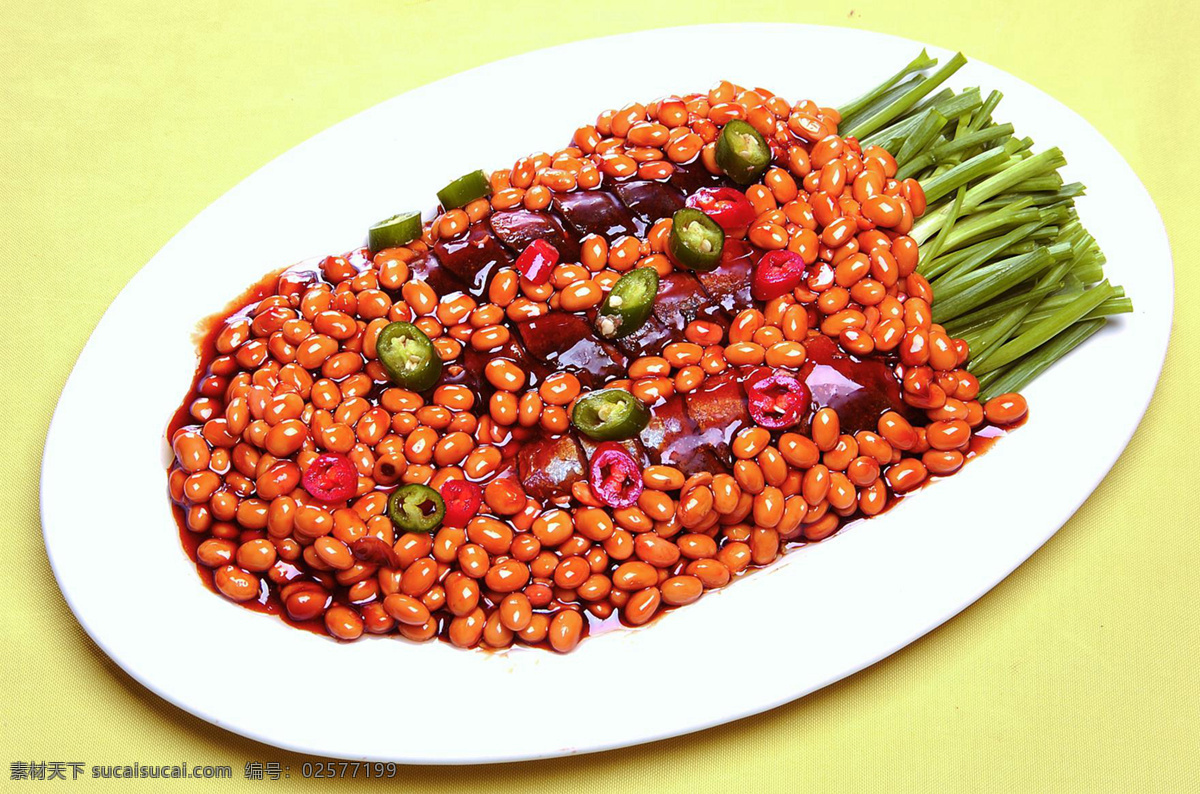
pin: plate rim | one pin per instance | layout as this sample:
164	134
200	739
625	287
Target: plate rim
46	486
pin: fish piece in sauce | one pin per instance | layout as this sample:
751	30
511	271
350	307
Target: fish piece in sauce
548	466
517	228
729	283
473	257
595	212
718	409
567	341
672	439
860	391
649	201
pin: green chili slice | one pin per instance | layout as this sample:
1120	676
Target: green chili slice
696	240
397	230
408	356
610	415
742	153
464	190
416	508
628	304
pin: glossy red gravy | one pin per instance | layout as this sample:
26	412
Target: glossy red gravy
856	389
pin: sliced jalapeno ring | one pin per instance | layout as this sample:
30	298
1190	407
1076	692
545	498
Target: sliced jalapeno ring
464	190
416	508
408	356
696	240
397	230
628	304
742	153
610	415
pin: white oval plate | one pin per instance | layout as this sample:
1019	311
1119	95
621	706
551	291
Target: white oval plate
813	618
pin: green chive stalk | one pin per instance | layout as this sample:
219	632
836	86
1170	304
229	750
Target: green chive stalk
920	63
1013	271
1021	374
875	121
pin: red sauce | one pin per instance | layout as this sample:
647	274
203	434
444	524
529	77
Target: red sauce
268	601
859	390
205	337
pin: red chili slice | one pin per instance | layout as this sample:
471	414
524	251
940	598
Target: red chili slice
616	478
777	399
331	478
462	500
537	261
728	207
777	273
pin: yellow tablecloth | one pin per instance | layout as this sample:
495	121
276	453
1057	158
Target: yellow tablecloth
119	121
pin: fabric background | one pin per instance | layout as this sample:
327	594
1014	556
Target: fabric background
119	121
